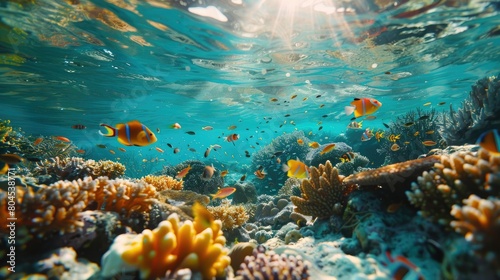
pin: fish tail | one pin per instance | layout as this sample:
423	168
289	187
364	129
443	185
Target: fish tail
110	131
349	110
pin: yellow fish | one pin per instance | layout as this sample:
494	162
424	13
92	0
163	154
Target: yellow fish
490	140
394	138
202	217
296	169
362	106
328	148
132	133
379	135
314	145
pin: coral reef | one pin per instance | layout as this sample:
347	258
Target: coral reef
478	220
323	194
350	167
231	216
291	187
197	245
282	147
268	265
314	157
452	180
76	168
245	193
193	180
163	182
5	129
479	113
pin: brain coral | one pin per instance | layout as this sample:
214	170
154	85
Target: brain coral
197	245
452	180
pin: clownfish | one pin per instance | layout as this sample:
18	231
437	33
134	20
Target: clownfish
296	169
490	140
367	135
233	137
132	133
362	106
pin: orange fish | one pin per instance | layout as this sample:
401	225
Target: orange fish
429	143
222	193
490	140
314	145
395	147
132	133
429	132
379	135
300	142
122	149
11	158
233	137
370	118
296	169
181	174
38	141
362	106
62	138
367	135
208	172
80	151
355	125
223	173
232	127
349	156
260	174
175	126
112	152
328	148
159	150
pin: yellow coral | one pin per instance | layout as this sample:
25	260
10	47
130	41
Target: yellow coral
323	194
163	182
5	129
197	245
232	216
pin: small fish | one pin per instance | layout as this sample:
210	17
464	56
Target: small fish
233	137
169	145
401	268
393	137
242	178
278	160
158	130
318	96
393	207
231	127
362	106
328	148
379	135
181	174
441	103
304	99
207	152
11	158
208	172
355	125
324	116
122	149
296	169
4	168
176	150
490	141
429	132
387	72
293	96
215	147
427	104
370	118
287	115
159	150
223	193
112	152
406	142
395	147
260	174
322	105
386	125
78	126
408	124
62	138
273	99
223	173
144	160
132	133
192	150
320	128
190	132
207	128
424	118
367	135
37	141
300	142
416	133
175	126
429	143
80	151
347	157
102	146
314	145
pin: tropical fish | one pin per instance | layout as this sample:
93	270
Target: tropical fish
395	147
355	125
293	96
367	135
181	174
393	137
80	151
122	149
296	169
207	152
223	193
159	150
314	145
441	103
208	172
233	137
259	173
429	143
490	140
112	152
215	147
328	148
231	127
386	125
62	138
408	124
190	132
429	132
132	133
242	178
300	142
362	106
176	150
416	133
370	118
393	207
102	146
157	130
427	104
424	117
207	128
223	173
4	168
379	135
11	158
175	126
273	99
401	267
349	156
78	126
202	216
38	141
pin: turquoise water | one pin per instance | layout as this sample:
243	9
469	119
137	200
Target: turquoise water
92	62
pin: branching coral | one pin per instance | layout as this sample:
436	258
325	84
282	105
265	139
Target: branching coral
57	208
323	194
5	129
453	179
231	216
163	182
479	221
197	245
479	113
271	266
78	168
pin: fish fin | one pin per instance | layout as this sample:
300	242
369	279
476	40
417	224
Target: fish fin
110	131
285	167
349	110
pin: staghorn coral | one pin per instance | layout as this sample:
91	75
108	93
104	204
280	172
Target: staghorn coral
231	216
163	182
390	175
479	221
452	180
58	207
197	245
267	265
77	168
323	194
479	112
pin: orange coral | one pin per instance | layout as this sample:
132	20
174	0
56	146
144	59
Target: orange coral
231	216
163	182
